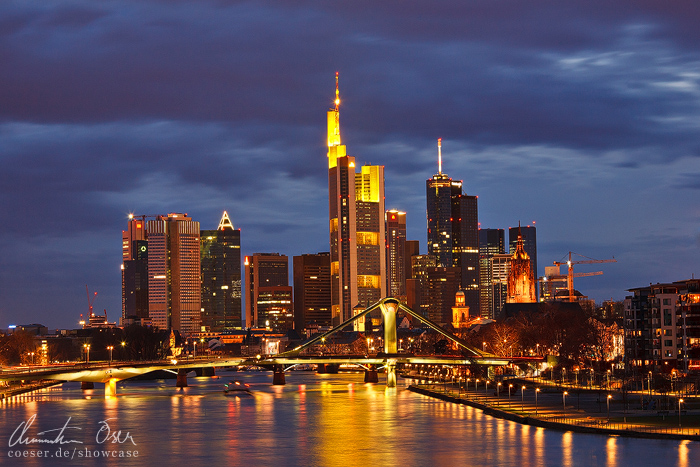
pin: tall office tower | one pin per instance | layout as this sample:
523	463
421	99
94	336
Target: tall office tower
134	271
220	252
268	293
356	224
312	290
500	268
371	235
442	286
174	268
439	212
521	279
453	234
396	253
529	236
491	242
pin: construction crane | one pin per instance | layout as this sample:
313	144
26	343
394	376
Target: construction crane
570	275
90	300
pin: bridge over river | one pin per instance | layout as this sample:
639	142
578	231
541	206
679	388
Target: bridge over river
111	373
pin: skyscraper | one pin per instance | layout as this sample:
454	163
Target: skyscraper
134	271
220	251
312	290
442	286
370	229
268	293
417	287
491	242
396	252
453	230
174	286
356	224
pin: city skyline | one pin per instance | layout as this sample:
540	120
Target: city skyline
582	120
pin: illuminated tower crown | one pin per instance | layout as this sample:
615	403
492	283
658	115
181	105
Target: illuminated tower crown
335	149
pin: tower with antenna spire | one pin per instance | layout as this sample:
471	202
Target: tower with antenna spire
356	225
453	235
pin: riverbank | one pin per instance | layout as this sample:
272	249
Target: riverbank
6	393
544	414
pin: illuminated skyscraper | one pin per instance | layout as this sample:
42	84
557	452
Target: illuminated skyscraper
396	252
174	286
356	224
417	288
135	271
491	242
268	293
221	276
453	230
370	230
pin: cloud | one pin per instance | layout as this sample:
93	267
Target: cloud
582	116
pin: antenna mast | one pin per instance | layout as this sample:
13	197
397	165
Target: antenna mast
439	155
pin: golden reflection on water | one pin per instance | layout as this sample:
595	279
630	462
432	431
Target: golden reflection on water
683	454
566	449
539	447
611	450
330	421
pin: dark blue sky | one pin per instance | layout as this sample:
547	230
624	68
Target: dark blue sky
581	115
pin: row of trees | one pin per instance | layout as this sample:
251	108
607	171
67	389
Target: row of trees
130	343
576	336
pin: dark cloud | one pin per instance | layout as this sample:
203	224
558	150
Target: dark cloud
580	115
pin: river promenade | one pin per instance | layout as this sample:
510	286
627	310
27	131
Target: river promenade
569	408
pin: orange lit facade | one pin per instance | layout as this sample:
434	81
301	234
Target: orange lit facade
521	277
460	312
174	268
356	226
396	253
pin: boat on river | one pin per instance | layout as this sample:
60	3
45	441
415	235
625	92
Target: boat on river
236	387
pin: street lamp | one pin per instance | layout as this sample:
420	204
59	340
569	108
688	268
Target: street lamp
510	386
31	354
536	391
680	401
86	347
498	394
563	396
522	399
110	348
483	346
609	397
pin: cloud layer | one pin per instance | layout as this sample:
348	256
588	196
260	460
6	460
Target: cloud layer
582	116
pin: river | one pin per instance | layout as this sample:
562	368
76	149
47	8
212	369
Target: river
314	420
